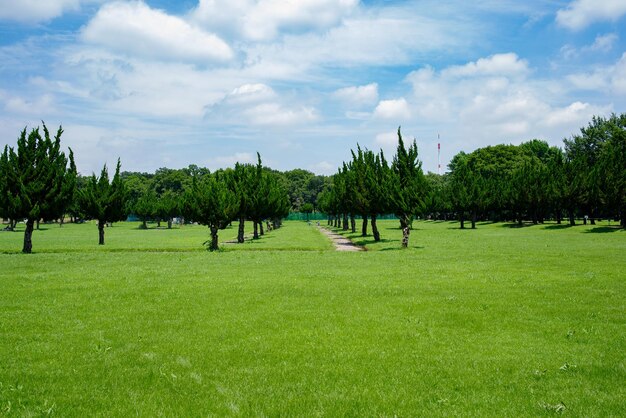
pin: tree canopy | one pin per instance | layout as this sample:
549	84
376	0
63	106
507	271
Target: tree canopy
37	182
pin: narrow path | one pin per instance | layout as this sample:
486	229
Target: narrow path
340	242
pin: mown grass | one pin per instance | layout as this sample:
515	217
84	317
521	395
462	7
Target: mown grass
491	322
128	236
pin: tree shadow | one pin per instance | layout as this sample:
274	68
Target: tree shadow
513	225
364	241
604	229
557	227
402	249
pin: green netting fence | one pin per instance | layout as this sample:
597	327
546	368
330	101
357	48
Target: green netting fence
318	216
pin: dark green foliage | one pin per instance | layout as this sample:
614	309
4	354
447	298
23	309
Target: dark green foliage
168	206
307	208
242	181
104	201
303	187
210	202
145	208
36	180
437	203
610	172
407	186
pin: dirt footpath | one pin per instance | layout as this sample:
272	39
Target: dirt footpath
340	242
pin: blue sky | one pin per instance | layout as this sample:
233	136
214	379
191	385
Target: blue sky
171	83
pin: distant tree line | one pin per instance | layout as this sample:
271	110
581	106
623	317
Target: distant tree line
533	181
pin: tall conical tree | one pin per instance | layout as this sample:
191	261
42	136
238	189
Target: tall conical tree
36	180
210	202
407	186
102	200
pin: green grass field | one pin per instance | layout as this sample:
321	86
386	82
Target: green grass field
497	321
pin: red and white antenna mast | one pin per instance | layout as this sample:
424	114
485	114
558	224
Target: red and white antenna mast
438	156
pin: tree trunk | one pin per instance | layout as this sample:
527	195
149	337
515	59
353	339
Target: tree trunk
268	225
240	233
62	221
461	220
255	234
364	226
405	232
474	219
169	223
101	232
570	213
37	224
261	231
353	223
345	222
28	237
558	217
592	216
158	222
144	225
214	240
375	229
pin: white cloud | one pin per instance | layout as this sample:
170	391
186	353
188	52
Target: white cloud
258	104
250	93
42	106
230	160
263	20
611	79
324	168
582	13
389	36
358	95
387	139
393	109
604	43
273	114
497	106
139	31
572	113
499	64
34	11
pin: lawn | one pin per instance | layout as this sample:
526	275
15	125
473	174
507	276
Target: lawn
497	321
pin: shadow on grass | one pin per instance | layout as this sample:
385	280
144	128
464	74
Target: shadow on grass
260	240
557	226
363	241
399	248
604	229
513	225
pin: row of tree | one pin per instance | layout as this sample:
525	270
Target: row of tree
529	182
39	182
367	186
534	181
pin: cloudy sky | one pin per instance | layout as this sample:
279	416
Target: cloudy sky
170	83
